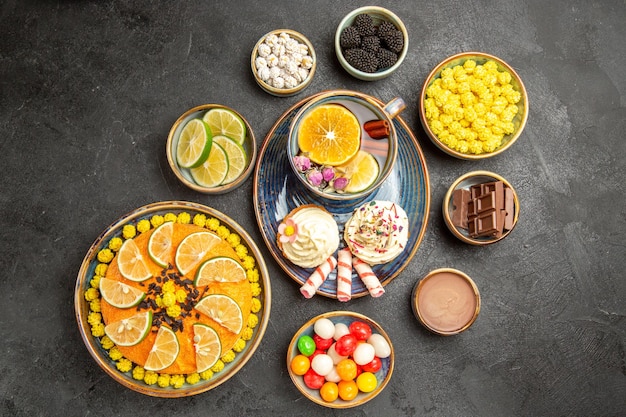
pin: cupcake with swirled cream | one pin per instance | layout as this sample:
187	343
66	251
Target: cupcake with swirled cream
377	232
308	236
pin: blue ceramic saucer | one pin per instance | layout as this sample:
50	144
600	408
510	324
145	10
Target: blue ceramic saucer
277	191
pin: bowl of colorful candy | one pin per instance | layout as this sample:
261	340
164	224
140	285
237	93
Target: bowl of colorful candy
473	105
211	149
340	359
481	208
371	42
283	62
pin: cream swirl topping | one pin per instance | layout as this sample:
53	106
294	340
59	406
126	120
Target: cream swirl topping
317	237
377	232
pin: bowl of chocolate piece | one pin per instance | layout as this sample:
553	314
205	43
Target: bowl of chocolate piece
481	208
371	42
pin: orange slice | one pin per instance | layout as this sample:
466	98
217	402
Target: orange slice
120	295
131	263
164	350
219	269
223	309
193	249
131	330
207	345
362	171
160	244
329	134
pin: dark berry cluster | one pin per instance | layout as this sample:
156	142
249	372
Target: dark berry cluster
371	48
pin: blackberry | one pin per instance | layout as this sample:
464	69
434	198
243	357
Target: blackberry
361	59
364	24
386	58
350	38
394	41
370	43
386	27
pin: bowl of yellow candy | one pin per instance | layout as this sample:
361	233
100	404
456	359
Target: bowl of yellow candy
473	105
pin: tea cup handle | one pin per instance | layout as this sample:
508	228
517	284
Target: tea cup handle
394	107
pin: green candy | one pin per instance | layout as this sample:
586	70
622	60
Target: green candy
306	345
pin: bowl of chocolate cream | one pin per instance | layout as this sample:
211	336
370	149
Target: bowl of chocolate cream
446	301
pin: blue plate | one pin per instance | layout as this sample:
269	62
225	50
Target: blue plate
277	191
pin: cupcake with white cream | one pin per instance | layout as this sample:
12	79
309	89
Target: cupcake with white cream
377	232
308	236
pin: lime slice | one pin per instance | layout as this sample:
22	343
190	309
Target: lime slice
212	172
362	171
223	309
225	122
207	345
194	144
130	331
219	269
120	295
131	263
160	244
164	351
236	157
193	250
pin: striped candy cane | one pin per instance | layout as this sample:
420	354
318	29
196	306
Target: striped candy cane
344	275
368	277
318	277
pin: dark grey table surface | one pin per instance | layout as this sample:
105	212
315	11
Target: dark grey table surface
90	89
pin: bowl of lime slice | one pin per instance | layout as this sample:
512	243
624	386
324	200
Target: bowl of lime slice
211	149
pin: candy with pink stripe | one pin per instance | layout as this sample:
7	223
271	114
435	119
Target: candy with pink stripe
344	275
318	277
368	277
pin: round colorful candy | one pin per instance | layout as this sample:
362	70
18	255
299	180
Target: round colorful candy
374	365
364	353
340	330
313	380
333	354
306	345
329	391
322	364
300	364
346	345
381	346
366	382
321	343
348	390
360	330
324	328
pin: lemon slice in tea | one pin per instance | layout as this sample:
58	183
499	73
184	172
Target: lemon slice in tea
131	263
164	351
207	345
236	157
193	250
329	134
213	171
160	244
225	122
120	295
223	309
194	144
219	269
130	331
362	171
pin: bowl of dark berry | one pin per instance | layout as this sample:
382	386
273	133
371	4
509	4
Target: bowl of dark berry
371	42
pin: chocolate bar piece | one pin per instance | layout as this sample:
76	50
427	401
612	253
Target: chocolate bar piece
460	200
490	209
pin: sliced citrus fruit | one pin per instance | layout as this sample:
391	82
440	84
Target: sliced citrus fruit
120	295
194	144
130	331
362	171
131	263
164	350
236	157
225	122
223	309
220	269
212	172
329	134
193	249
208	347
160	244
